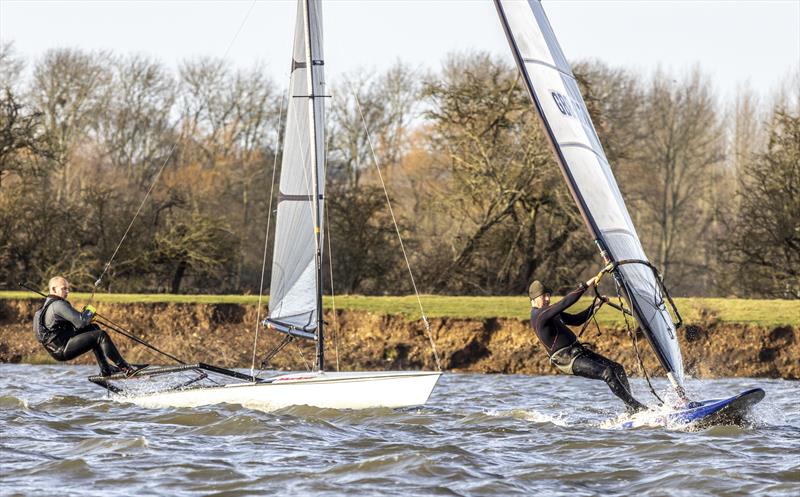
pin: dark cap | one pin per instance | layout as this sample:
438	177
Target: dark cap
537	289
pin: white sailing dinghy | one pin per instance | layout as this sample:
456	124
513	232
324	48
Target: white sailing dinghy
296	285
558	102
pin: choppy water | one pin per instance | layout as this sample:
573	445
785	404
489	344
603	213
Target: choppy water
479	435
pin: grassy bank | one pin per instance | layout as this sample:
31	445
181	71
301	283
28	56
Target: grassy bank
768	313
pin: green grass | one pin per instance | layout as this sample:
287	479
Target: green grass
745	311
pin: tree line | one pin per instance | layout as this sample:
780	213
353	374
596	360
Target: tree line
713	187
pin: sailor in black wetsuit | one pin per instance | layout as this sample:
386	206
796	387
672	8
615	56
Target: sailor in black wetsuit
66	333
565	351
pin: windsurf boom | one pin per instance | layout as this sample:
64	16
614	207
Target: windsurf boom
558	102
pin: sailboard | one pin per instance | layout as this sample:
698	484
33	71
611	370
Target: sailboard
729	411
561	108
555	94
296	282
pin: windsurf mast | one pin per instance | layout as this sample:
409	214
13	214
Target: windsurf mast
560	106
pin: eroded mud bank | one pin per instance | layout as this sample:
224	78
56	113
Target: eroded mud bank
223	334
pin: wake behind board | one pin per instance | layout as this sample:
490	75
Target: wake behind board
731	411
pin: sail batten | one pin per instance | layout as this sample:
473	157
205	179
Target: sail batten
560	106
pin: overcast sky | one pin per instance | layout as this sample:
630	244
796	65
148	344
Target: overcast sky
734	42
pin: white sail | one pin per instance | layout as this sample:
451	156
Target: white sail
555	93
298	235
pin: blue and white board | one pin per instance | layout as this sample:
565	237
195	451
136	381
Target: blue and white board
704	413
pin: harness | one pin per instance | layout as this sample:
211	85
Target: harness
564	358
46	335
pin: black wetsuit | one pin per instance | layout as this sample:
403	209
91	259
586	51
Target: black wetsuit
67	334
569	355
550	323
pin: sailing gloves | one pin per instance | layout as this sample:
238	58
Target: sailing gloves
90	312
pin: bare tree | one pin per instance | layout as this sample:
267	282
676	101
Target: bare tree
764	239
22	139
615	99
135	130
499	182
11	65
388	103
71	88
206	107
200	244
256	119
679	160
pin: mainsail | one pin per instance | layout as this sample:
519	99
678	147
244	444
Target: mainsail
554	91
295	295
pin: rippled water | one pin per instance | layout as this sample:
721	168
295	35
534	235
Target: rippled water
479	435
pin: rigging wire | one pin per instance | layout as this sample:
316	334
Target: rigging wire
330	260
274	352
161	169
124	235
593	315
333	294
397	230
302	356
266	236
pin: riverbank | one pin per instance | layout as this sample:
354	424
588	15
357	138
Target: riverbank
760	312
223	334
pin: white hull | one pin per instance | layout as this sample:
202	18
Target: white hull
325	390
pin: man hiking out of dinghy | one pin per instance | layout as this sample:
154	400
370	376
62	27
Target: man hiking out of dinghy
565	351
66	333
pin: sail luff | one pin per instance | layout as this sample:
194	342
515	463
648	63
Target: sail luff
547	75
316	84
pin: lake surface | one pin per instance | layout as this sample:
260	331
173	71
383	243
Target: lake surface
479	435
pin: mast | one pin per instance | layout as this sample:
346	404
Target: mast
316	85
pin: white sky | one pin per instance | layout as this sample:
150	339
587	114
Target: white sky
733	41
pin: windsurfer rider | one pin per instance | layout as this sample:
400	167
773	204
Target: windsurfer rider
565	351
66	333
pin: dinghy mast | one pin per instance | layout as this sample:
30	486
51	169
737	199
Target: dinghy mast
296	284
560	106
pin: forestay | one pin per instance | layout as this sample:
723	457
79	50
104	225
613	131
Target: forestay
294	288
554	90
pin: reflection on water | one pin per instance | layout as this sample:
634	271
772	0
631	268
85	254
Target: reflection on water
479	435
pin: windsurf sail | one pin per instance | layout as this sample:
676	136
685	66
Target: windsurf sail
554	91
295	287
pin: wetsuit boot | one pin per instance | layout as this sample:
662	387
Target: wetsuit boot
105	368
635	407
